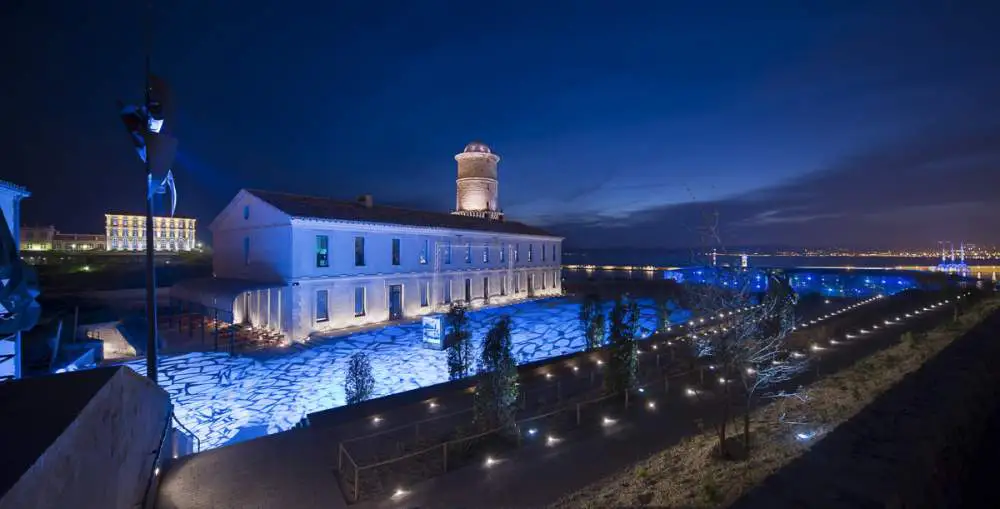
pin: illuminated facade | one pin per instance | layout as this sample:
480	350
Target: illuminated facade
47	238
302	265
10	345
126	232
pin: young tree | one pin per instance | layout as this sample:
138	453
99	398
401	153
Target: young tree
359	384
623	358
497	389
458	341
662	314
592	320
749	348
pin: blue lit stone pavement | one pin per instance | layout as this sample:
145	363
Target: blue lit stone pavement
224	399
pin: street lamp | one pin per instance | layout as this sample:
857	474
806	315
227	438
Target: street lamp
147	126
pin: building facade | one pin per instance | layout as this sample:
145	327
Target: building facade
47	238
10	345
303	265
126	232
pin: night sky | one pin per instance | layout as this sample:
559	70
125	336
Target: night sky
619	123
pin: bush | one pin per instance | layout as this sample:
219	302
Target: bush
359	384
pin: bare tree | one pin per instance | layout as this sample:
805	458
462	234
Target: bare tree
748	347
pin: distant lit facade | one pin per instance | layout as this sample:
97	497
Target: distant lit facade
126	232
303	265
47	238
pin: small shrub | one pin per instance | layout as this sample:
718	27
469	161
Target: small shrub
641	473
359	384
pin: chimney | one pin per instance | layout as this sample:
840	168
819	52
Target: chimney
365	200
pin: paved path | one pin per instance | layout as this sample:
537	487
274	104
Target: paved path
296	469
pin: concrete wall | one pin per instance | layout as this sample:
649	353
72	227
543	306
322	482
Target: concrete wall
105	457
910	448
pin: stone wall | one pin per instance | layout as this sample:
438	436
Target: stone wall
912	447
105	457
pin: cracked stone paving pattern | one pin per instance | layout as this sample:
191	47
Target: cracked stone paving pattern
224	399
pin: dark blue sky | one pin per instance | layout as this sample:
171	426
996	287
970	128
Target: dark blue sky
619	123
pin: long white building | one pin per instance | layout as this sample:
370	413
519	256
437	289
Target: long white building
302	265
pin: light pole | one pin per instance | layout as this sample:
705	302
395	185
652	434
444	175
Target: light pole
156	149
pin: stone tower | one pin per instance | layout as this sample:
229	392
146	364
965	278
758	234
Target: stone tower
477	182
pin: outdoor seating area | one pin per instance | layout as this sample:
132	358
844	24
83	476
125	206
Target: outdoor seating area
197	327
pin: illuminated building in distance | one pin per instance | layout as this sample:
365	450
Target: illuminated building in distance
127	232
302	265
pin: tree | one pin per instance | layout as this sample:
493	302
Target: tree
497	388
750	345
592	321
359	384
623	358
663	307
458	340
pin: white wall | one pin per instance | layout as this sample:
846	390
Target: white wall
269	231
285	249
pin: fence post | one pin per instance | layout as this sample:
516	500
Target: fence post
444	447
626	398
666	384
701	374
657	361
577	414
357	487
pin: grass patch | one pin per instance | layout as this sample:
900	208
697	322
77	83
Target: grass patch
689	475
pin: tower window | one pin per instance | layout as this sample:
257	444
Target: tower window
359	301
423	251
530	252
395	251
486	254
468	252
503	254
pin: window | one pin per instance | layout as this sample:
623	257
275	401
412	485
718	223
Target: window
246	212
486	288
503	254
322	306
545	279
468	252
517	283
424	251
486	255
503	286
517	253
447	292
359	251
530	250
395	251
424	291
554	253
543	252
447	253
468	290
359	301
246	250
322	251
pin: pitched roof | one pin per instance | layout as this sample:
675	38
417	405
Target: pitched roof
302	206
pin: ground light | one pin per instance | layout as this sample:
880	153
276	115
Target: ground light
607	421
803	436
690	392
399	493
552	440
376	419
651	405
490	461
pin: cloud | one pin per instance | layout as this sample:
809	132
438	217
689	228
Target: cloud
940	182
